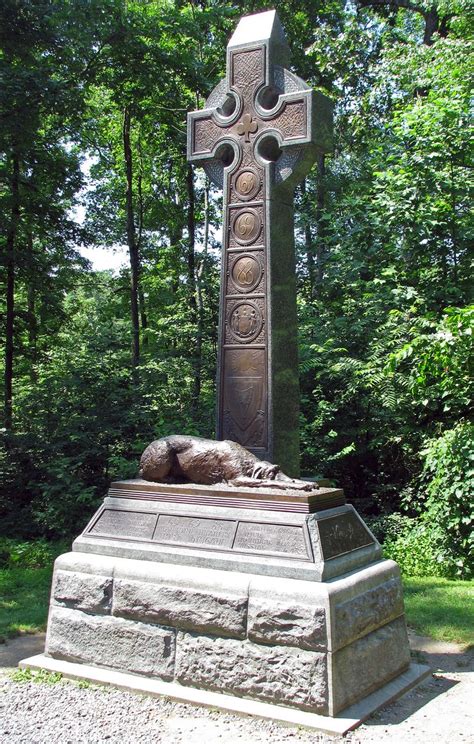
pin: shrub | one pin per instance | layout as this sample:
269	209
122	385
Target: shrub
32	554
446	497
412	543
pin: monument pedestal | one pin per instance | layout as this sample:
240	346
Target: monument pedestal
288	608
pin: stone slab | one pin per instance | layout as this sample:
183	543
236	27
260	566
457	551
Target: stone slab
346	721
296	618
187	608
362	601
109	641
304	614
82	591
269	673
368	663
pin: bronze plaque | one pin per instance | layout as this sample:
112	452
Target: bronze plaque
341	534
122	523
244	397
246	226
195	531
247	184
245	321
246	272
271	539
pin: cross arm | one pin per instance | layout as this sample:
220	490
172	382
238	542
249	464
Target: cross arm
204	134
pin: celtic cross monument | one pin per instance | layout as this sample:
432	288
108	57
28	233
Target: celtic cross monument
256	138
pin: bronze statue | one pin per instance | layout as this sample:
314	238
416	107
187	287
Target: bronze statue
181	459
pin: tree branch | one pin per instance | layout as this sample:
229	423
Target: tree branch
393	4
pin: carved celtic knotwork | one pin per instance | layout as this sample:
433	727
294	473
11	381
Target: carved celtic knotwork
291	122
206	134
248	69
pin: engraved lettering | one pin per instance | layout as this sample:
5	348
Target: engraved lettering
245	225
341	534
271	538
193	531
122	523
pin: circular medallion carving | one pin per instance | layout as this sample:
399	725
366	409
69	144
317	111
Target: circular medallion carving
246	226
246	272
245	321
247	184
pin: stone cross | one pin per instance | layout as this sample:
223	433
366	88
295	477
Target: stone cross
257	136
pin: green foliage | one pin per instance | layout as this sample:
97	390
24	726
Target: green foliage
437	363
416	551
439	542
29	554
446	505
383	232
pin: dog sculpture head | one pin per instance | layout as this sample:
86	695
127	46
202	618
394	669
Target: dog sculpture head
264	470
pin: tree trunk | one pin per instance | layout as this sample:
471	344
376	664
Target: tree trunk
308	241
141	296
131	238
196	391
321	248
431	25
32	322
10	289
199	289
433	22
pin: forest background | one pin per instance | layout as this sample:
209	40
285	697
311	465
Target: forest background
93	102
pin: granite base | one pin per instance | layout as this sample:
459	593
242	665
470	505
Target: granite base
316	646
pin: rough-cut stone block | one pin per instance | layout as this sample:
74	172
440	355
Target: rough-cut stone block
110	641
369	663
186	608
273	673
82	591
367	611
287	623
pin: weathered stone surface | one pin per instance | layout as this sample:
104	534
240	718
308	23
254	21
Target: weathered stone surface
367	611
182	607
368	663
110	641
82	591
272	673
287	623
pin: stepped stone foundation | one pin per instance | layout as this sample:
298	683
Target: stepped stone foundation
210	598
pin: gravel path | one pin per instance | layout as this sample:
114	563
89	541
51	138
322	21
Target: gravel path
439	710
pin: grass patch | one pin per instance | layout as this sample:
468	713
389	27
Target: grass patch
440	608
36	675
24	598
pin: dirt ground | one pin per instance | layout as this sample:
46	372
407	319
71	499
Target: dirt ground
440	710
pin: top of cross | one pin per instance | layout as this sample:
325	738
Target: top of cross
260	110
